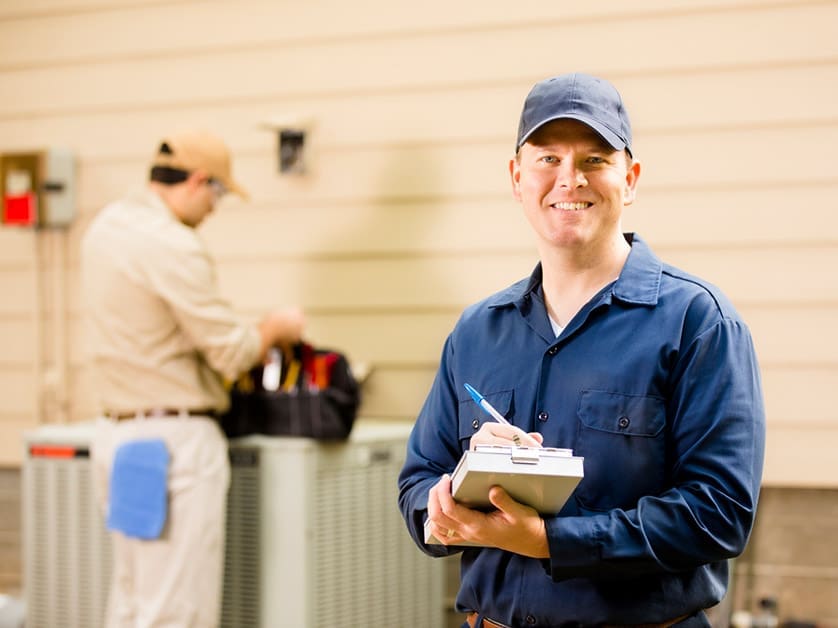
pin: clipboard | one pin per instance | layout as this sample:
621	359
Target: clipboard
542	478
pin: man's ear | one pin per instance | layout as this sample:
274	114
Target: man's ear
515	178
197	178
632	175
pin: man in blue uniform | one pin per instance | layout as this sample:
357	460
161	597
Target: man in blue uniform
644	370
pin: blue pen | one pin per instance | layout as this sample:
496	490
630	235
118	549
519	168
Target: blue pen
487	407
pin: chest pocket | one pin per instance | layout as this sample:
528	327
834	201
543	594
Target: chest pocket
622	439
471	416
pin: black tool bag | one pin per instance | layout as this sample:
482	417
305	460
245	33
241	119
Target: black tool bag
303	391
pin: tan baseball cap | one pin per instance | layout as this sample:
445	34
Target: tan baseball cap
193	150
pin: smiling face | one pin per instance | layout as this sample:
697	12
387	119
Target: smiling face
573	186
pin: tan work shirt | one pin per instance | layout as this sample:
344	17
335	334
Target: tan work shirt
159	333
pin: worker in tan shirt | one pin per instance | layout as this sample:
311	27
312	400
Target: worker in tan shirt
162	340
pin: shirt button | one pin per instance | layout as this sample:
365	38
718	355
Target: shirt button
552	350
543	416
475	424
624	422
530	620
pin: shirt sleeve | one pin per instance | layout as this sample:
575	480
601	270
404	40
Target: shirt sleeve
716	421
188	284
432	451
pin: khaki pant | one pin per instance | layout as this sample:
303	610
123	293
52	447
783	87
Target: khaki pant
174	581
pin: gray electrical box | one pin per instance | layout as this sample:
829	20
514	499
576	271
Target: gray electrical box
38	188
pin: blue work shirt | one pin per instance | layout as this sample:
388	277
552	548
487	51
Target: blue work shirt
655	383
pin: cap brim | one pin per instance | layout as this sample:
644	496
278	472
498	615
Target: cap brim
611	138
238	190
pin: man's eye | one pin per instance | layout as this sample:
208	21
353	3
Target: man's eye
550	159
593	159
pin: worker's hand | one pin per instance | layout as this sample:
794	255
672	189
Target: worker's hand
494	433
513	527
441	510
283	326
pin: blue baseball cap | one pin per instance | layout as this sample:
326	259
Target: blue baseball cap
591	100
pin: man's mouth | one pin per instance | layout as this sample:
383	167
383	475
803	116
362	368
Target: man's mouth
571	207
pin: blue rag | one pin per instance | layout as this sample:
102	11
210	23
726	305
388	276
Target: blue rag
138	488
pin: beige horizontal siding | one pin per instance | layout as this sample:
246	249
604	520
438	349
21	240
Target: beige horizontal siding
17	387
19	340
708	99
20	290
45	9
17	247
230	26
801	456
11	447
800	396
400	60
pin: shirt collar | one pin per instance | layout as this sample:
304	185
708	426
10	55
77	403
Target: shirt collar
639	281
149	200
154	201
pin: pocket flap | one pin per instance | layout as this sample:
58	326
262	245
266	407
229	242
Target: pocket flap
472	416
633	415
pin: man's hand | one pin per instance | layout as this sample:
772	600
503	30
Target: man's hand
513	527
492	433
281	327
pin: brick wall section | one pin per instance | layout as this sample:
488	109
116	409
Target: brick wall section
10	539
793	556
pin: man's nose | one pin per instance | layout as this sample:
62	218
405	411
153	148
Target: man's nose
569	175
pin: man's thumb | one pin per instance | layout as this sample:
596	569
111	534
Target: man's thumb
500	499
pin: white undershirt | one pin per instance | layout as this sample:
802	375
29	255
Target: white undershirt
557	329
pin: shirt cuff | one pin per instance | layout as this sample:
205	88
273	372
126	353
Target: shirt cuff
574	543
